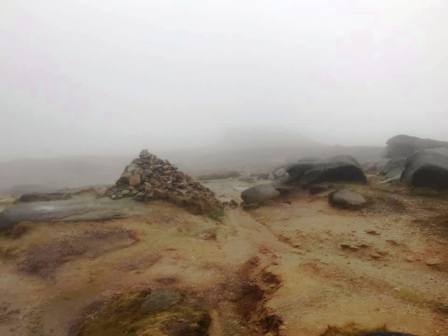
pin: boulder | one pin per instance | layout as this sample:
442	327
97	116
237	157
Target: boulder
260	193
346	199
427	169
298	170
335	169
394	168
404	146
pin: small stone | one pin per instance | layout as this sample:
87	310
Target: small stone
135	180
433	261
346	199
208	235
393	242
372	232
378	254
375	255
444	308
348	246
144	154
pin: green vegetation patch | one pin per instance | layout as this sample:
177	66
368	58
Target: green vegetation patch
162	312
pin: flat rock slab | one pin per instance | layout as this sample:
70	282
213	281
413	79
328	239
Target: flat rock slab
70	210
44	197
346	199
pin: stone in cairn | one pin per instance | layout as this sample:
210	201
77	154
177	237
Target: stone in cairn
150	178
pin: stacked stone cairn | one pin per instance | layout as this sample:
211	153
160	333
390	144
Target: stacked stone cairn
149	178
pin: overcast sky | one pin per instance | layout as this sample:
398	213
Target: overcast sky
109	76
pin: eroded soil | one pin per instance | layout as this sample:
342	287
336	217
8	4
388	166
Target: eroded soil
295	267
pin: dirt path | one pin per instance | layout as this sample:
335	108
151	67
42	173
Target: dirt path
290	268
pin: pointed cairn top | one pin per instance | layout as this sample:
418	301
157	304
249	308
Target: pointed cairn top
145	154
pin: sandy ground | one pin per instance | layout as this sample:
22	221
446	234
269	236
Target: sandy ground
292	267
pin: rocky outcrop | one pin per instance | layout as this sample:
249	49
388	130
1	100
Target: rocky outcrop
346	199
149	178
259	194
335	169
393	169
428	169
404	146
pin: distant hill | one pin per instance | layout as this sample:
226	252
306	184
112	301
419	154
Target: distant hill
29	175
251	150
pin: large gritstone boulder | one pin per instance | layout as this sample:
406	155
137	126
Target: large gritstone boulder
404	146
394	168
335	169
149	178
259	194
428	169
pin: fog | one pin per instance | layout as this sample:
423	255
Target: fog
111	77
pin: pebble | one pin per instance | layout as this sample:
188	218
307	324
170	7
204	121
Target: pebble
433	261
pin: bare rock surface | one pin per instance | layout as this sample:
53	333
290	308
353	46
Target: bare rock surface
151	178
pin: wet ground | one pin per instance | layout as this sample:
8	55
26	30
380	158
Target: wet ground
295	267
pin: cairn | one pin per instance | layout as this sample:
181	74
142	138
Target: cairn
149	178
